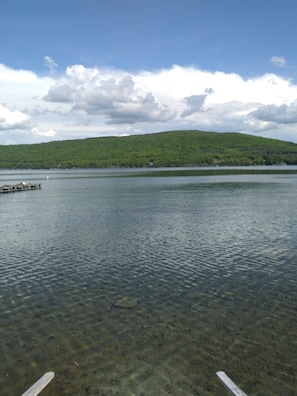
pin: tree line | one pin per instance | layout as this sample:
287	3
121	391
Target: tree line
166	149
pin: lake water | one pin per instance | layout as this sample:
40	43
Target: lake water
207	259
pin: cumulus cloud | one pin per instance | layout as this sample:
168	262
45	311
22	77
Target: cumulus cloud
11	76
88	102
12	119
22	106
278	61
194	104
118	99
283	114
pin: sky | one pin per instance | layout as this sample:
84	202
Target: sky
75	69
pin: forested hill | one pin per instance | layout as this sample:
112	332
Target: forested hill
166	149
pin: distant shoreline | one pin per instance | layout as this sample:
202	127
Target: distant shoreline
173	149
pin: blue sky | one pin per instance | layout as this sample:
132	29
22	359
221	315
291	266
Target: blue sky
85	68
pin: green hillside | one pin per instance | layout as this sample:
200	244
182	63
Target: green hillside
166	149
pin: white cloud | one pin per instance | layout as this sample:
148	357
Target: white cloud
51	64
278	61
46	133
177	82
23	77
283	114
12	119
88	102
117	99
194	104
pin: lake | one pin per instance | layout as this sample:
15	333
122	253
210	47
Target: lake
147	281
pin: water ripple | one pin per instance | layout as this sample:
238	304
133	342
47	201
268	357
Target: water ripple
211	265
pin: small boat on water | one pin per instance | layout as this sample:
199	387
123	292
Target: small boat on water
7	188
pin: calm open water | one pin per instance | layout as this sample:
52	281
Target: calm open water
206	257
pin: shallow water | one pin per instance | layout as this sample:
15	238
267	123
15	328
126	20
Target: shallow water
209	256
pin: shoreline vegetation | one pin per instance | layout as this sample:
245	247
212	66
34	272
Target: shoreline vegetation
188	148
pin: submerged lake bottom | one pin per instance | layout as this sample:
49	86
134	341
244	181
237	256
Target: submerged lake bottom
147	283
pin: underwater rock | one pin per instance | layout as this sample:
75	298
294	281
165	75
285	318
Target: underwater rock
126	302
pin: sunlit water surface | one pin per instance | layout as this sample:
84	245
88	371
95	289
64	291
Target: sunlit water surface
206	258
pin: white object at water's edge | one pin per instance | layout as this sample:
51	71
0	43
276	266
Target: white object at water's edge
229	384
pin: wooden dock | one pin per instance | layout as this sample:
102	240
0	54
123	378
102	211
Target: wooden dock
9	188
